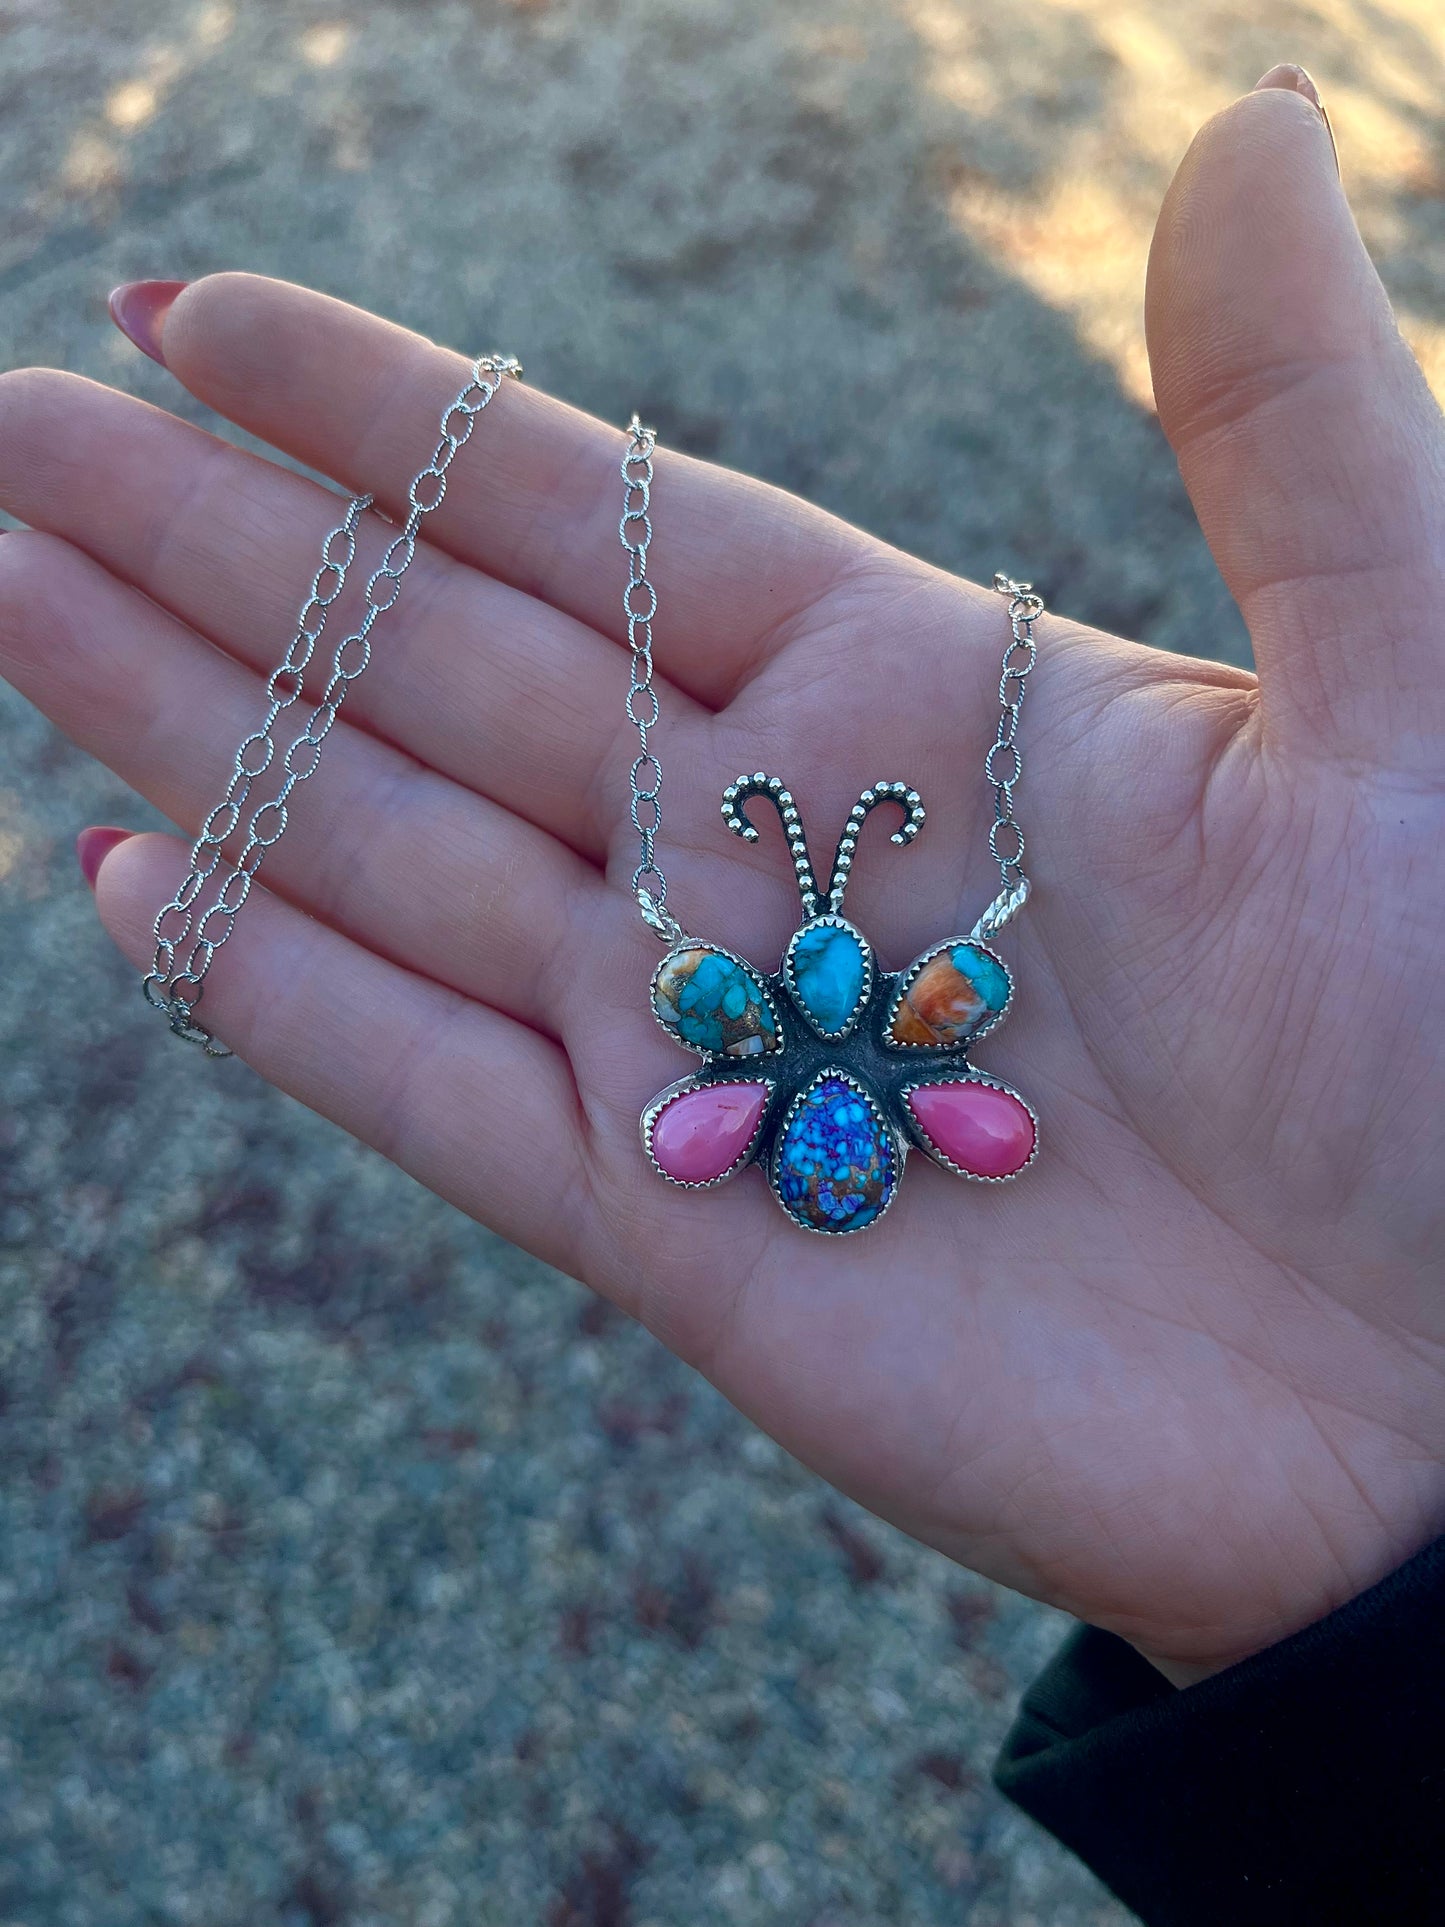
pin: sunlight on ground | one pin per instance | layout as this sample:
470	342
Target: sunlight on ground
91	166
137	100
324	45
214	22
132	104
95	165
1080	240
14	842
11	847
1111	95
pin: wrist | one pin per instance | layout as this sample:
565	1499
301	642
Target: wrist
1188	1663
1182	1672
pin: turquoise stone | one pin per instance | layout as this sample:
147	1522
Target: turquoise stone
711	1002
829	970
836	1166
990	979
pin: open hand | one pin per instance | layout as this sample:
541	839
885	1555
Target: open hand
1186	1378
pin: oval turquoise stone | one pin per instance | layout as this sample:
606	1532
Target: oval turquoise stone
708	1000
836	1166
829	970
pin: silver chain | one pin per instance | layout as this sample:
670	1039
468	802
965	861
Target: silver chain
187	944
1005	838
649	885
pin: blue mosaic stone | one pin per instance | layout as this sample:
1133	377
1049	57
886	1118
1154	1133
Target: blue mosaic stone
829	969
836	1165
711	1002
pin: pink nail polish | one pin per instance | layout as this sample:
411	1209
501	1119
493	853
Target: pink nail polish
94	845
139	310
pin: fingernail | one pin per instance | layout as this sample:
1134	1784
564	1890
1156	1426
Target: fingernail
1293	79
139	310
94	845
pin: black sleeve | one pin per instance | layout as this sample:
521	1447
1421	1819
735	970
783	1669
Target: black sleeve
1305	1785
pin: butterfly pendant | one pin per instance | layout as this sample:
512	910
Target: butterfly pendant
828	1070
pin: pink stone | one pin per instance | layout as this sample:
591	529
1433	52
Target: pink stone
987	1132
702	1133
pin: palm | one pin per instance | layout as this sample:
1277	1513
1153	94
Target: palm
1109	1384
1180	1378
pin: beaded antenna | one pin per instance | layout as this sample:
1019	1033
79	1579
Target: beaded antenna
826	1071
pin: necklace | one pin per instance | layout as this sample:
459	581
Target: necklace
826	1071
187	938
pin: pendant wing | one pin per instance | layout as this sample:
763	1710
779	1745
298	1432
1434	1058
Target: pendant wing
954	993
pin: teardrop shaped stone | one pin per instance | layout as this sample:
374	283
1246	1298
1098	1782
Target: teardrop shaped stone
711	1002
952	994
828	968
984	1131
699	1135
836	1166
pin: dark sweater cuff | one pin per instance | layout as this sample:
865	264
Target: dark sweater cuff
1304	1785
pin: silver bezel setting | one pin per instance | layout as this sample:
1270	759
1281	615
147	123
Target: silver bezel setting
756	975
915	969
834	922
963	1075
648	1122
900	1151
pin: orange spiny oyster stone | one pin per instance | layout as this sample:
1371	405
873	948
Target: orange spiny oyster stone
957	990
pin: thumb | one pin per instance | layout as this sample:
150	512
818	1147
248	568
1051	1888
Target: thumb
1309	442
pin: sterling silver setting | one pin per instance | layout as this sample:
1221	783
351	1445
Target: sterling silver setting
766	985
830	921
906	979
648	1124
930	1149
897	1143
854	1059
834	1127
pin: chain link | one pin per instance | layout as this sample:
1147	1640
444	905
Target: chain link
639	605
186	944
1004	763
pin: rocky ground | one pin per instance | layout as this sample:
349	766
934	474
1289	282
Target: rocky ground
356	1571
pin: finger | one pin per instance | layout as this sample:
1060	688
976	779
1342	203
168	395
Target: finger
358	399
483	682
398	858
479	1108
1306	435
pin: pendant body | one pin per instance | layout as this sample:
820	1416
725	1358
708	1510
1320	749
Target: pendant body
827	1071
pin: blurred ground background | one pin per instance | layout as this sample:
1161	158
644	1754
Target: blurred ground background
356	1571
